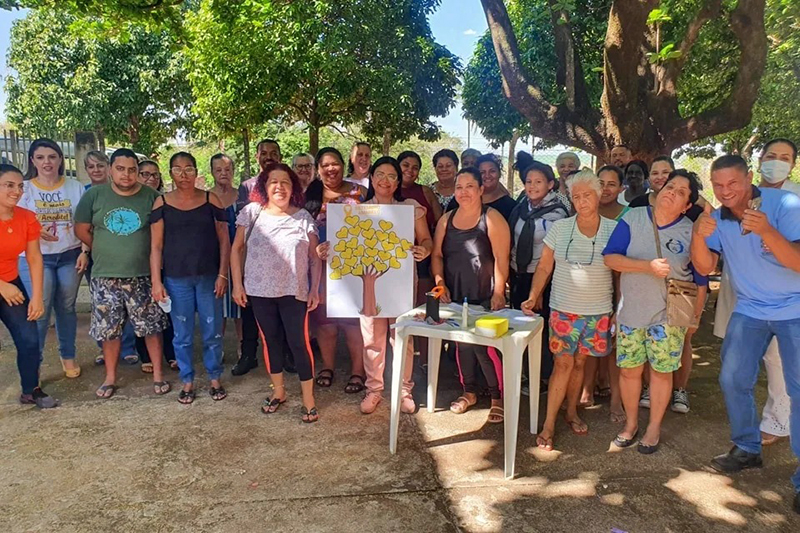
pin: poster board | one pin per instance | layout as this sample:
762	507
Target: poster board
370	270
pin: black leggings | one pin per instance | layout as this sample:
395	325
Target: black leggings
284	318
492	367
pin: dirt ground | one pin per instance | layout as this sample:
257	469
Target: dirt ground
144	463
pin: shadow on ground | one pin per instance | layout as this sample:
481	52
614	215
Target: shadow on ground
143	463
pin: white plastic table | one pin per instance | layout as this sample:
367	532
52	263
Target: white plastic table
524	332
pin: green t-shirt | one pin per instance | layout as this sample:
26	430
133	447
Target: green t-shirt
121	225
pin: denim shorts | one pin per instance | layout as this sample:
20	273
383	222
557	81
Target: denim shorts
572	334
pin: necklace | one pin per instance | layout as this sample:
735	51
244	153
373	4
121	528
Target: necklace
7	224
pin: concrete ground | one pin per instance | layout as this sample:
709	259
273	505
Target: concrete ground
139	462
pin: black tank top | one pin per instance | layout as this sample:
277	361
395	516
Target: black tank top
191	245
468	261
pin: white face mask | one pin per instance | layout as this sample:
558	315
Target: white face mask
775	171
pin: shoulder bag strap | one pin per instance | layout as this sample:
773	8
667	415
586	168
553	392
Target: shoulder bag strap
655	232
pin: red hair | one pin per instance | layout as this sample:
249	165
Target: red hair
259	192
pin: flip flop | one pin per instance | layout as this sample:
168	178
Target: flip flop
309	416
147	368
71	373
324	378
270	406
218	393
186	396
104	392
579	428
544	443
131	359
602	392
161	387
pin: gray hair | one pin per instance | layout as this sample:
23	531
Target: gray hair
303	154
569	155
97	155
585	177
470	151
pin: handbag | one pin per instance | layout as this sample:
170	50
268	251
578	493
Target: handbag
681	295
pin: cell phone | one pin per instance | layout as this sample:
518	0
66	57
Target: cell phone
755	205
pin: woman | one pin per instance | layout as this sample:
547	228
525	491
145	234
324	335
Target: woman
636	173
190	241
150	175
470	262
494	195
580	300
54	198
96	164
222	171
359	163
611	179
567	163
386	176
332	188
445	164
20	232
644	334
281	242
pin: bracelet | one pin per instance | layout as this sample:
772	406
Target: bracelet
87	252
221	276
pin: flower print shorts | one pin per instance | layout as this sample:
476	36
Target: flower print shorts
582	334
660	345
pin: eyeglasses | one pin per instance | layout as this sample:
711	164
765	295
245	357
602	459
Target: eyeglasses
304	167
572	238
189	171
148	175
12	186
380	176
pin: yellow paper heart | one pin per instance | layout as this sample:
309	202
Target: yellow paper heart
367	261
347	254
340	246
368	233
370	243
400	253
336	262
342	233
405	244
380	267
351	220
382	235
351	261
352	243
358	271
393	238
336	274
355	230
365	224
346	270
372	252
385	225
359	251
386	245
384	256
394	263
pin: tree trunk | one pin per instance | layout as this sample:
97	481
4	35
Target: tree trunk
369	305
246	143
387	140
314	124
512	148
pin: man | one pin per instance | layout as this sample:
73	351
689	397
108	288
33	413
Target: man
113	221
267	150
621	155
762	254
303	166
469	157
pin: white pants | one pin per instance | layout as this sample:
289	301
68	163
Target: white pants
775	417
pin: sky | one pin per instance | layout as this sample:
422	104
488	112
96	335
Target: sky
457	24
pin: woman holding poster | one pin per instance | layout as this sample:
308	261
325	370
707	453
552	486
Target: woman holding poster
470	261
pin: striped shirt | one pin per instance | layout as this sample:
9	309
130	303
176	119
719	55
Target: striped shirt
582	284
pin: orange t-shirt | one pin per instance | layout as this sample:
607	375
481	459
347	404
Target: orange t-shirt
15	234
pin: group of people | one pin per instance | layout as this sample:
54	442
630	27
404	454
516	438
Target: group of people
596	254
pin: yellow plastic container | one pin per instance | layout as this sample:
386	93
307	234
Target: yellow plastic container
491	326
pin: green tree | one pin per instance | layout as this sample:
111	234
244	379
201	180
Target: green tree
326	62
130	88
619	71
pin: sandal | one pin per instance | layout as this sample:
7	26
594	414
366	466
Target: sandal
100	360
161	387
496	415
218	393
147	368
106	391
324	378
461	405
309	416
71	373
173	364
131	359
271	405
355	384
602	392
544	443
186	396
578	427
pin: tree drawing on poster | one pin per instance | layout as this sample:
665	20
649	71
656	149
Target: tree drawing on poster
371	243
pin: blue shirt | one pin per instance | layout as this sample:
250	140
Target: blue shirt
765	289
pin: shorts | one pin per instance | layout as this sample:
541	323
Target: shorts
116	299
582	334
660	345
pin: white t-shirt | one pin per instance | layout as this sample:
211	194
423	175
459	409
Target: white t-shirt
582	283
55	210
364	182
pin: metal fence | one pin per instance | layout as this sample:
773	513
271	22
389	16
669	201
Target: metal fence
14	146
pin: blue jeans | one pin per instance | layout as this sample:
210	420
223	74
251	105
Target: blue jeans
746	341
61	282
190	295
26	339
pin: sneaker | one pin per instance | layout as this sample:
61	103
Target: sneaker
680	401
644	399
38	397
370	402
407	404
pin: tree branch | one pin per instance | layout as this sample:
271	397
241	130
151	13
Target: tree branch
570	70
735	111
